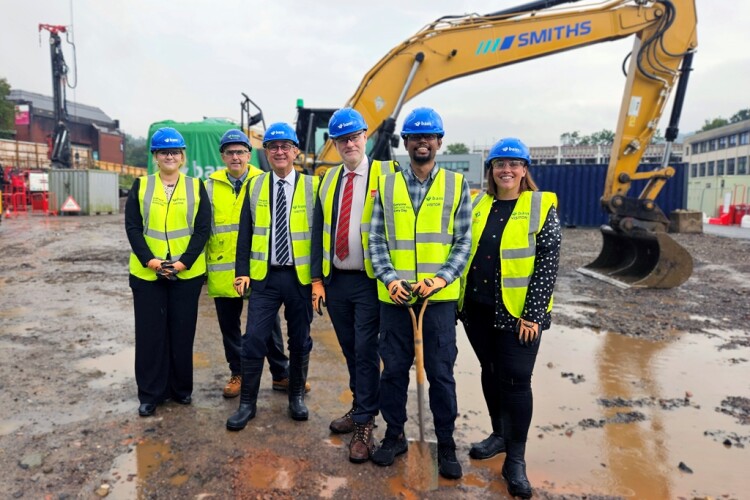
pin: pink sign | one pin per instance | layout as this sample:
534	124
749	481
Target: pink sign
22	114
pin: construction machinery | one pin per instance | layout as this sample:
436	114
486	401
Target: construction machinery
59	146
636	250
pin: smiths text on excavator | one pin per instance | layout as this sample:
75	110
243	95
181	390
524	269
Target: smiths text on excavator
636	250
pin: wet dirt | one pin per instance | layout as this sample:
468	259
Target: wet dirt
638	393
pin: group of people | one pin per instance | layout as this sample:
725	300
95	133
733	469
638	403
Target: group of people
366	241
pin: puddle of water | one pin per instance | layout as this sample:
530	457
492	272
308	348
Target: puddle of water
131	471
638	459
115	368
265	470
330	485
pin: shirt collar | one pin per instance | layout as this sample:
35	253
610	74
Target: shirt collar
361	169
242	178
289	179
431	176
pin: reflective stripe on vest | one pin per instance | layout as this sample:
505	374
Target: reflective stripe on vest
518	243
419	244
226	207
327	195
300	225
168	224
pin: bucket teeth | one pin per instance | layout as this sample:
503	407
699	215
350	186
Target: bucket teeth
640	259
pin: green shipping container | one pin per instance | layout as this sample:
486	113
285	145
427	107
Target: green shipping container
202	141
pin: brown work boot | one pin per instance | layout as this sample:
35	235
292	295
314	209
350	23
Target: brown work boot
283	385
232	389
362	443
345	424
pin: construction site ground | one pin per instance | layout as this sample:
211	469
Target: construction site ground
638	393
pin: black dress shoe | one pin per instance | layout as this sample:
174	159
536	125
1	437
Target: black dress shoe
146	409
184	401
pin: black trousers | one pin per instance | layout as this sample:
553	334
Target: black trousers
229	313
352	302
507	367
165	316
281	287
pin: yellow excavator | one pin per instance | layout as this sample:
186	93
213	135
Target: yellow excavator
637	250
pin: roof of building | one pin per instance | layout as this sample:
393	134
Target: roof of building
76	111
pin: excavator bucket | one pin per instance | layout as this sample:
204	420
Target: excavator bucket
640	259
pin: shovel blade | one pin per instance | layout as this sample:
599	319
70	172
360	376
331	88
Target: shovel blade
421	473
640	259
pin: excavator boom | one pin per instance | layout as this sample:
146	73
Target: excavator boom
635	252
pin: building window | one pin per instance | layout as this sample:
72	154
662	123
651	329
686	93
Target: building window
712	145
730	166
742	165
720	167
703	169
732	140
693	170
723	142
694	148
710	168
744	138
704	146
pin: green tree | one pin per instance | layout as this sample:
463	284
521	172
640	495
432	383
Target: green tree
741	115
136	151
715	123
603	137
457	148
7	111
570	138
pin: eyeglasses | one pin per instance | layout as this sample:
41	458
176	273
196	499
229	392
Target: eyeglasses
285	147
344	140
426	137
498	163
169	152
235	152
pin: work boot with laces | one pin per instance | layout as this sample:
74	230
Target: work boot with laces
345	424
448	465
232	389
282	385
389	448
362	443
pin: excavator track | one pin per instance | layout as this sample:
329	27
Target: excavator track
640	259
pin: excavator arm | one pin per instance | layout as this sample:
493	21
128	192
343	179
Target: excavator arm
456	46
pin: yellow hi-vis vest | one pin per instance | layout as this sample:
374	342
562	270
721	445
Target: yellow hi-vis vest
225	223
300	225
517	245
419	244
327	195
168	224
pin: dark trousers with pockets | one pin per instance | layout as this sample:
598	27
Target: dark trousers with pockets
166	313
397	353
229	312
352	302
281	287
506	370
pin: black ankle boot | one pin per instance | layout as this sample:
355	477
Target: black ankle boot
298	365
252	369
491	446
514	470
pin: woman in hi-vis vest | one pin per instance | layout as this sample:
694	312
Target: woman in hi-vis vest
507	299
168	221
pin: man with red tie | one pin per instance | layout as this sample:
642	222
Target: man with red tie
343	278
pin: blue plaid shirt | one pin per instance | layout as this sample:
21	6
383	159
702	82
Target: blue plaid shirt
460	250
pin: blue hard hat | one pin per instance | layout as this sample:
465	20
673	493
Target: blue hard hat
234	136
422	121
510	147
280	131
166	138
345	121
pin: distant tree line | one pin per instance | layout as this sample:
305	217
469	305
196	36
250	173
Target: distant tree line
741	115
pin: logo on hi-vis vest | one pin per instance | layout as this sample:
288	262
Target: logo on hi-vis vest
534	37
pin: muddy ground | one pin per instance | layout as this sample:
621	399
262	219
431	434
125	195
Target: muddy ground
69	426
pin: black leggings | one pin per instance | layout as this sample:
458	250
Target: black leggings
506	370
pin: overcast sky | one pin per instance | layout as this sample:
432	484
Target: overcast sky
143	61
